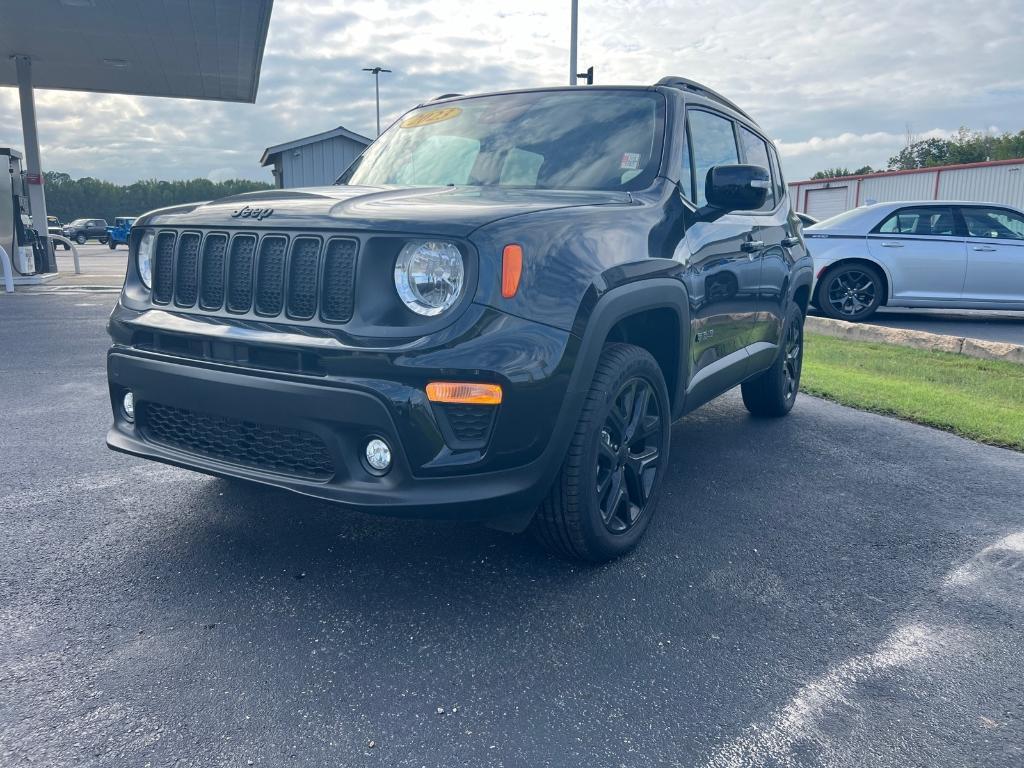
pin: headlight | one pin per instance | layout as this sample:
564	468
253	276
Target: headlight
429	276
144	259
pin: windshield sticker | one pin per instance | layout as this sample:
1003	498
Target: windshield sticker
630	161
431	117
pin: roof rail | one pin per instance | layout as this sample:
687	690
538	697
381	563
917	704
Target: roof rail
446	96
701	90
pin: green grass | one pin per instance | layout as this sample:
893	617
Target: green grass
979	399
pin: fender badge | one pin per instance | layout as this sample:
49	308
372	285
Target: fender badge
252	213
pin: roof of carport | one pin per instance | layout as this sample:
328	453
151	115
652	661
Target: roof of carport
203	49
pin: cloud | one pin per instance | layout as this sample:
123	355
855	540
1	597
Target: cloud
835	82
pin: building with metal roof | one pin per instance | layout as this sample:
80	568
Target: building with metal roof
995	181
314	161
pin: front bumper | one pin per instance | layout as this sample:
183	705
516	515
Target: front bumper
503	480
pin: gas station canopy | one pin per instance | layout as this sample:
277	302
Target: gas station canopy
182	49
198	49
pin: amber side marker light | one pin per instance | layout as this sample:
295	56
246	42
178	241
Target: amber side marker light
463	392
511	270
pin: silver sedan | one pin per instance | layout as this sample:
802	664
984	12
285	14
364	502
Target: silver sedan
943	254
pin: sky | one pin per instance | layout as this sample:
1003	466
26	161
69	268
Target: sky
833	82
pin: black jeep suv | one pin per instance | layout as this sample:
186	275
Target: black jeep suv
495	315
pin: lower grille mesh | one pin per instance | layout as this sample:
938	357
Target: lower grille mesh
471	424
251	444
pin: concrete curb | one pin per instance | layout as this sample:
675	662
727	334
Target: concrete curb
957	345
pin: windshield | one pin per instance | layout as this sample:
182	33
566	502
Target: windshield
582	139
78	222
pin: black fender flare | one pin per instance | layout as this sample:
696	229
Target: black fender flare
621	302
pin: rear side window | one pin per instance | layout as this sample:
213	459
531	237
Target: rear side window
931	221
712	143
995	223
755	152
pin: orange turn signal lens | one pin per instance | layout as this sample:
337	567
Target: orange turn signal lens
463	392
511	270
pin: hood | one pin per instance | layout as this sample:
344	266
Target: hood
455	211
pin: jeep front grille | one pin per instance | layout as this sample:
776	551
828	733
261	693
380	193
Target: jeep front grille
269	447
299	277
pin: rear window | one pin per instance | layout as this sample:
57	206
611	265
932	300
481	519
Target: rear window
928	221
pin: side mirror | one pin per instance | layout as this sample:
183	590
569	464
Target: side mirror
737	187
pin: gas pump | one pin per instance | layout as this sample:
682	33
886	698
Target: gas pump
26	249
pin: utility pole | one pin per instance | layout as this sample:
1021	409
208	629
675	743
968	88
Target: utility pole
572	42
375	71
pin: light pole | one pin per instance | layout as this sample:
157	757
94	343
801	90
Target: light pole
375	71
572	42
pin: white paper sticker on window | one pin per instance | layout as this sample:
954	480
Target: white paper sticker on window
630	161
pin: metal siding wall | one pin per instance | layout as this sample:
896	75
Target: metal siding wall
910	186
993	184
319	163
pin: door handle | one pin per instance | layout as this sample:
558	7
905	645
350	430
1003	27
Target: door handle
750	246
892	245
789	242
983	248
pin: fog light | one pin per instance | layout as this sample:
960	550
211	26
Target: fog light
378	454
128	404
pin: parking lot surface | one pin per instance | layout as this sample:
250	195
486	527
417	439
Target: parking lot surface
975	324
831	589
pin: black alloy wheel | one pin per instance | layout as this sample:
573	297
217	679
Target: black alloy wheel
628	453
793	360
852	292
606	491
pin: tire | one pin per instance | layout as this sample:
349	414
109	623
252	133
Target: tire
65	246
771	394
80	238
605	494
850	292
104	240
112	244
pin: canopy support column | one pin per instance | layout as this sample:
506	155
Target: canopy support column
33	169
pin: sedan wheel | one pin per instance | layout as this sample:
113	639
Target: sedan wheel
851	293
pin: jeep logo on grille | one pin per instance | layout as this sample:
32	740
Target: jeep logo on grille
252	213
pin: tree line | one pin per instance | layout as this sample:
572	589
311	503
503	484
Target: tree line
69	199
966	146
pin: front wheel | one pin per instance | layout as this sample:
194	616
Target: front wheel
773	393
850	292
80	239
112	244
604	496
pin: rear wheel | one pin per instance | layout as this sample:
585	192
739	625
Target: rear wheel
112	244
850	292
773	392
604	496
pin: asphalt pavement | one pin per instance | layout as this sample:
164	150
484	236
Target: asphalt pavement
972	323
831	589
